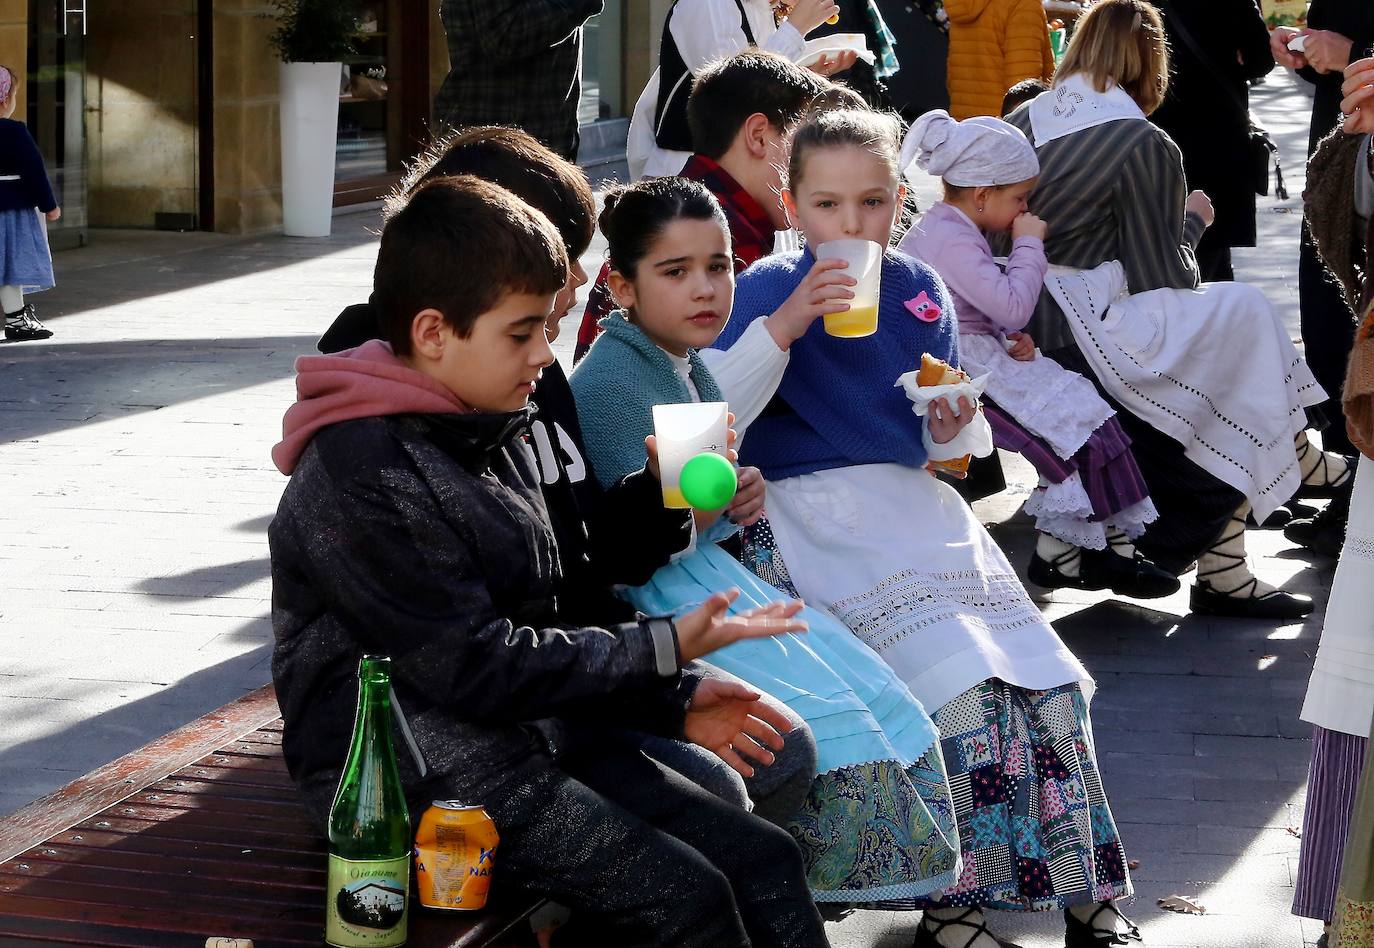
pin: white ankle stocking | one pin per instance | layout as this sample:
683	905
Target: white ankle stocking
1067	557
1119	543
1320	468
1224	567
11	299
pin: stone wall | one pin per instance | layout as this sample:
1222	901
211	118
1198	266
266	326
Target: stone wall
247	135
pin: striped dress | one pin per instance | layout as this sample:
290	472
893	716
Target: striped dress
1116	192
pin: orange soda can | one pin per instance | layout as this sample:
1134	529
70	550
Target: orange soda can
455	853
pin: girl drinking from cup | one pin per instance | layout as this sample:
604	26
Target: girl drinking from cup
871	536
878	823
1092	500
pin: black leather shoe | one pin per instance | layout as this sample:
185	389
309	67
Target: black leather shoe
1136	578
1206	601
1078	934
1281	517
1325	532
24	326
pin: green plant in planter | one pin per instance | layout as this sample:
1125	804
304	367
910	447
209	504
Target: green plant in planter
315	31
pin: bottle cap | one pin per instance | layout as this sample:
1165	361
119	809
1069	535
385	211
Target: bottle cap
708	481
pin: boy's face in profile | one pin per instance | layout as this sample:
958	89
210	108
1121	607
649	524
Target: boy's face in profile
495	368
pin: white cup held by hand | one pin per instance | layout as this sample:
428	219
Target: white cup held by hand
684	431
864	262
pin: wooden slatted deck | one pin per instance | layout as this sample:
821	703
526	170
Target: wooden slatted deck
199	834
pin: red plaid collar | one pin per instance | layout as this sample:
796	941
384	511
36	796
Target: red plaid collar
751	229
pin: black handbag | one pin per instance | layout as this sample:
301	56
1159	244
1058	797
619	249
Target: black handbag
1261	152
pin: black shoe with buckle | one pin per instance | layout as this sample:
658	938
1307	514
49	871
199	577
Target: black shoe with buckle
1323	533
24	326
1080	934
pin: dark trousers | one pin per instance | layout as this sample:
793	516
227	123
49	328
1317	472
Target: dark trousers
1214	258
644	857
1328	333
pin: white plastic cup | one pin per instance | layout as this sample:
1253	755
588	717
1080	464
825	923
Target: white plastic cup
684	431
864	262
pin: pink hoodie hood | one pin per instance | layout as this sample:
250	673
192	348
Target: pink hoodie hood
365	382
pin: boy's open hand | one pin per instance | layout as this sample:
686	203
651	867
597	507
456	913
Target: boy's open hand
732	721
1023	346
1358	104
824	290
747	507
707	627
827	66
943	424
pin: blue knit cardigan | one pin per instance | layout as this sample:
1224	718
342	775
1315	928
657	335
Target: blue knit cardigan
617	384
838	402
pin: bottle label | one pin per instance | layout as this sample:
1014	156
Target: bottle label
366	902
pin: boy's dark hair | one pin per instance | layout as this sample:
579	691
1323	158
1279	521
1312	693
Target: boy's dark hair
460	245
727	92
1021	93
634	216
518	162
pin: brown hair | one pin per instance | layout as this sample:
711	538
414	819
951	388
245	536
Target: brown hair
460	245
726	93
879	133
515	160
1121	42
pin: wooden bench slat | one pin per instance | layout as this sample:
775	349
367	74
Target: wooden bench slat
286	823
237	776
208	788
48	877
179	853
228	808
129	774
177	827
261	739
57	933
268	760
202	924
116	861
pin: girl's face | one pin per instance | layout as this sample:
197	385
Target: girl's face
683	287
1001	206
845	192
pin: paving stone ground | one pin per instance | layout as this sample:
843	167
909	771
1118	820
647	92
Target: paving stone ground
135	490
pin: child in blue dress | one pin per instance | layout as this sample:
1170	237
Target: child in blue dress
877	824
26	198
871	536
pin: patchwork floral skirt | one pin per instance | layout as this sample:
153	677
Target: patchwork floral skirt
1035	829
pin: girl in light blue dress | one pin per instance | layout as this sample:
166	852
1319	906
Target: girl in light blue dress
878	824
26	200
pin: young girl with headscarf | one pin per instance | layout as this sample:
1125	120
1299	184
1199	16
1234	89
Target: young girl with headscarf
1092	500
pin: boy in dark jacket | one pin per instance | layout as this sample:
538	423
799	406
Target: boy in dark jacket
606	537
413	526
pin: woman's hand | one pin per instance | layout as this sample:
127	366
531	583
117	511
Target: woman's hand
1327	51
1200	204
806	15
824	290
827	67
707	627
1278	45
1358	104
943	424
1023	348
732	721
747	507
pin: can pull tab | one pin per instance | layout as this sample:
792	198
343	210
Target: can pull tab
228	943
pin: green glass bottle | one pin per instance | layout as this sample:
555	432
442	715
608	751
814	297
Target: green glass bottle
368	892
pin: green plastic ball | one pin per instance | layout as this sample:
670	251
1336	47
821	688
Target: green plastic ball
708	481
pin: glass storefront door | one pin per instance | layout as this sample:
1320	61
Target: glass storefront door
56	115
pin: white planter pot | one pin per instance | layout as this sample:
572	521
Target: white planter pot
309	138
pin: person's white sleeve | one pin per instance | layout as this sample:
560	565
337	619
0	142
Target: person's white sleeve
787	41
1364	182
748	373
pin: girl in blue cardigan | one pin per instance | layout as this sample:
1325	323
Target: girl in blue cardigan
878	823
26	199
870	535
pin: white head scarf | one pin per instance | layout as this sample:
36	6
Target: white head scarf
975	153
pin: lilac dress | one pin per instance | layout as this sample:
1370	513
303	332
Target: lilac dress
1048	414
